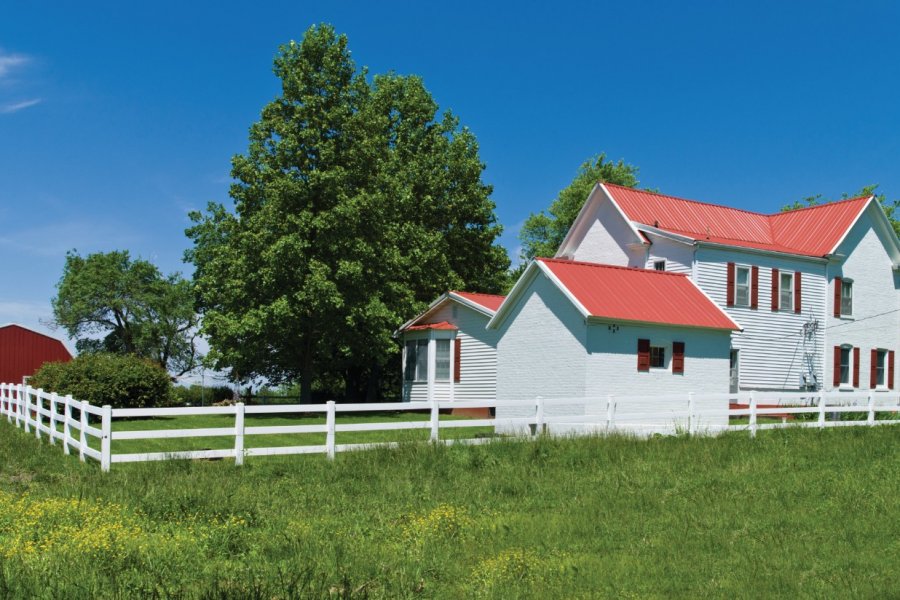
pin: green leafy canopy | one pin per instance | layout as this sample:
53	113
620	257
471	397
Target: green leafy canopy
890	207
355	205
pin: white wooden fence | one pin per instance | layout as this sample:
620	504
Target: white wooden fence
54	416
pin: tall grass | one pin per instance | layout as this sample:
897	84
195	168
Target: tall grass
791	513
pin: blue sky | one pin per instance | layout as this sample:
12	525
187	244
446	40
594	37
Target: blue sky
116	120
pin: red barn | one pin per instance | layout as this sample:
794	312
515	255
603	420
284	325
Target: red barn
23	351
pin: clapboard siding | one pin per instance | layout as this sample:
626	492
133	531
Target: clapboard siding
772	344
679	257
875	322
478	360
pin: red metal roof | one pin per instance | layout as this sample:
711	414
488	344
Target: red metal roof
23	351
642	295
442	325
489	301
813	231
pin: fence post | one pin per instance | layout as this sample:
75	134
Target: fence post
822	409
7	402
52	418
239	434
38	405
67	430
82	438
106	440
26	392
692	425
752	415
871	420
539	415
329	430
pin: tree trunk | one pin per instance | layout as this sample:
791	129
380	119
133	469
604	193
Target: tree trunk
372	386
306	375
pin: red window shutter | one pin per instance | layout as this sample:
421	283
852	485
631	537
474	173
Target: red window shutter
837	366
837	296
730	295
457	355
774	289
754	289
891	370
643	355
872	367
678	357
798	306
856	367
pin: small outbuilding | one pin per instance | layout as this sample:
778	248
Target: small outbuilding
448	353
587	331
24	350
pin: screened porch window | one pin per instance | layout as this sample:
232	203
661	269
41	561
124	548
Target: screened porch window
416	361
442	360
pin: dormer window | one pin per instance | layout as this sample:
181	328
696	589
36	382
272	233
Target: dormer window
659	265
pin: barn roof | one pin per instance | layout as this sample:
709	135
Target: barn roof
813	231
629	295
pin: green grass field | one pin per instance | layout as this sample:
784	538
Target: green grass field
793	513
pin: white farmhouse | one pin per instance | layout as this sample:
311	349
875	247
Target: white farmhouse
448	353
817	290
583	331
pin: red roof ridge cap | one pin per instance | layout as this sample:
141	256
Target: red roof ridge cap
823	205
661	195
567	261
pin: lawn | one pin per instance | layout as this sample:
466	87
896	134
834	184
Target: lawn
792	513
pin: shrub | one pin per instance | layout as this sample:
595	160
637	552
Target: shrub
102	378
197	395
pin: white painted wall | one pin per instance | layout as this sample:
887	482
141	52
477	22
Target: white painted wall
875	322
547	349
607	240
679	257
478	368
771	346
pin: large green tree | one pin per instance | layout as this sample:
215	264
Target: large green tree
890	206
355	204
543	232
131	306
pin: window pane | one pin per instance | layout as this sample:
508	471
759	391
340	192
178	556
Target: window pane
409	374
442	361
742	289
787	291
881	360
657	357
847	298
422	361
845	365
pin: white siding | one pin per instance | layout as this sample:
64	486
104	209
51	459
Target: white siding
607	240
875	322
679	257
772	346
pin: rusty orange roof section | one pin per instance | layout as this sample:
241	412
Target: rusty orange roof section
813	231
490	301
638	295
443	325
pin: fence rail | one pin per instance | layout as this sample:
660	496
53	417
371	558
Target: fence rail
65	419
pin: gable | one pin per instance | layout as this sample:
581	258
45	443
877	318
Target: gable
602	233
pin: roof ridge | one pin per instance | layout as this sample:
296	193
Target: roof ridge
606	266
828	203
661	195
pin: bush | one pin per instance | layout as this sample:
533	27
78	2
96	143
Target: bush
102	378
197	395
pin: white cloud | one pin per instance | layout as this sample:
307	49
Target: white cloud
17	106
9	62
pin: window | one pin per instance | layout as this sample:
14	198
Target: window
416	361
845	365
657	357
846	297
659	265
786	291
878	368
742	286
442	360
